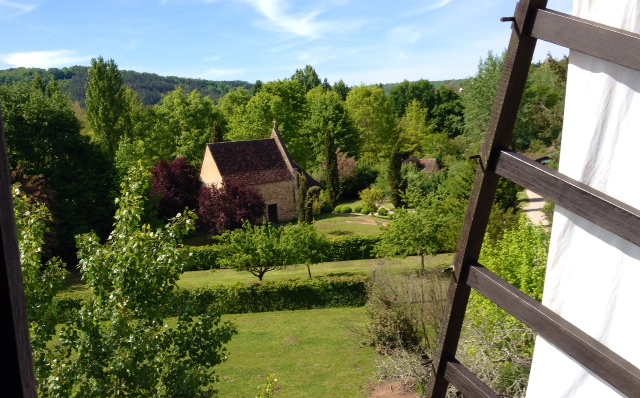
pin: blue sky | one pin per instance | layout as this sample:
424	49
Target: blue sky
375	41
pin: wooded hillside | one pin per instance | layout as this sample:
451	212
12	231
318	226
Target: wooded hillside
149	86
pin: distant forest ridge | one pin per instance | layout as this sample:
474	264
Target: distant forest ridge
149	86
451	83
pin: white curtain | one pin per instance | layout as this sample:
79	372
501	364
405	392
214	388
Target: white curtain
592	275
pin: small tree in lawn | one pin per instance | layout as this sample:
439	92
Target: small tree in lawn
226	208
254	248
119	343
304	245
176	186
421	232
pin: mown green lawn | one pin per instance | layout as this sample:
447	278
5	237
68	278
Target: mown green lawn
313	353
196	279
329	224
349	224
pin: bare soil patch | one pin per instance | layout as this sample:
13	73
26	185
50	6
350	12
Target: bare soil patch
395	389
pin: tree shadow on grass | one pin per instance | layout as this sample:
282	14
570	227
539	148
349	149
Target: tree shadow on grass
337	232
325	216
343	274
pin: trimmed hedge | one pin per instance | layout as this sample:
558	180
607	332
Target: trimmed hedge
202	258
319	292
347	248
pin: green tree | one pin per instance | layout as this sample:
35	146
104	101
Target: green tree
375	120
254	248
543	107
404	93
477	98
448	113
424	231
43	138
107	107
414	128
39	84
233	105
307	77
257	86
303	213
192	119
371	197
304	245
41	283
327	112
396	183
283	101
331	177
540	113
342	89
118	343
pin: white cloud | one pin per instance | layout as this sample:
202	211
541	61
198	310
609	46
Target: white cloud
10	9
300	24
317	55
44	59
131	45
218	73
404	35
435	6
182	1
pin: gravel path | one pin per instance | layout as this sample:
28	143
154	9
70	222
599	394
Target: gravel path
533	206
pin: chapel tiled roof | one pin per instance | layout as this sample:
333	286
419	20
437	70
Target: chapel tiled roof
250	162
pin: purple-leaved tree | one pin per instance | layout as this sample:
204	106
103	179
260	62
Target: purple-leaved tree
222	209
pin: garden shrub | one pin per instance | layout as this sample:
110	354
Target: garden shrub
369	209
383	212
342	209
326	207
345	248
372	197
357	209
202	258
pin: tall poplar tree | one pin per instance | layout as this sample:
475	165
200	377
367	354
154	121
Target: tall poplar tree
332	178
395	175
107	105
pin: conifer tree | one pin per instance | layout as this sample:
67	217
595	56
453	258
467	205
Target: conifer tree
332	178
303	186
395	176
